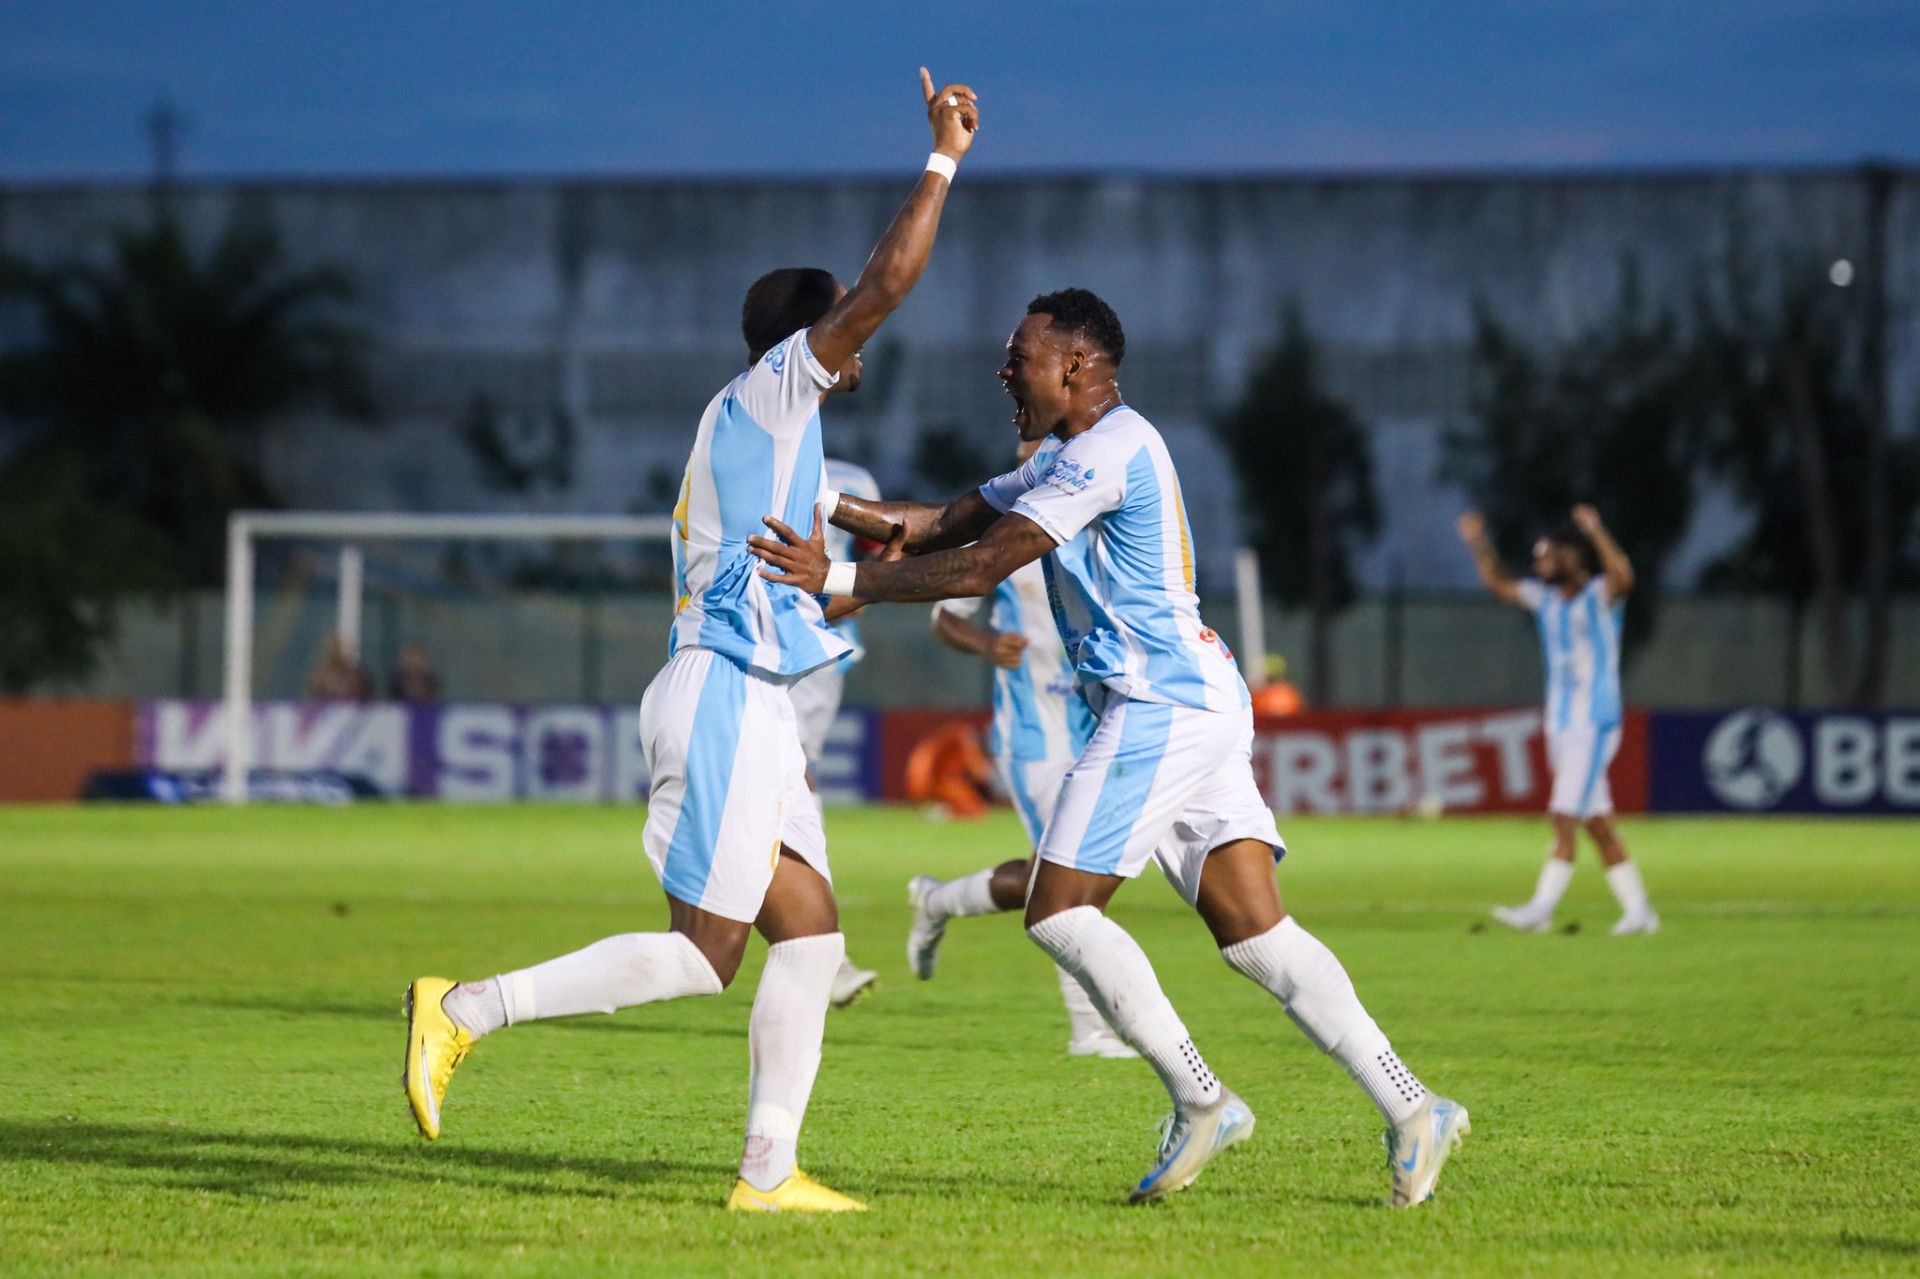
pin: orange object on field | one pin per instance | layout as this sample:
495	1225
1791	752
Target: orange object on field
949	768
1278	698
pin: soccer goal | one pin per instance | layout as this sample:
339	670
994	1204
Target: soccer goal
350	530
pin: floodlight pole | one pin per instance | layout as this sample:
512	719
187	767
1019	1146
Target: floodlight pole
1253	623
239	689
347	625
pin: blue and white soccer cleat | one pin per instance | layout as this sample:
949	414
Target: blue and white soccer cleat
1189	1137
923	938
1418	1148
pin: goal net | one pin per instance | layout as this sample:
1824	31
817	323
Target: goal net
579	748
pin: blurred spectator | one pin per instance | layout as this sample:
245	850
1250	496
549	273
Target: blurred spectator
414	679
337	677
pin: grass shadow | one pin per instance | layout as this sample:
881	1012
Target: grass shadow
388	1012
1880	1244
274	1165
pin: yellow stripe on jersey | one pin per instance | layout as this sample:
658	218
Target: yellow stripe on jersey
680	507
1186	542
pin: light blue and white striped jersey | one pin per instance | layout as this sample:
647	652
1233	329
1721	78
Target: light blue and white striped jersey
757	453
845	477
1038	712
1122	595
1581	637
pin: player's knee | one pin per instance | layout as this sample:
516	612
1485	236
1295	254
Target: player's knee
723	958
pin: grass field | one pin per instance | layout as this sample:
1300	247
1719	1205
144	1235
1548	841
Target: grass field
199	1050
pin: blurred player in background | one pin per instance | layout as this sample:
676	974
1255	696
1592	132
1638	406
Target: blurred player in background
816	697
1167	775
1578	611
1040	726
732	829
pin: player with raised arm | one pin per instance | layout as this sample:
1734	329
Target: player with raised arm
731	828
1167	775
1040	726
816	697
1578	611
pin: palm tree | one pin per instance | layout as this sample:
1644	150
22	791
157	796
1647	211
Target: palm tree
139	407
1306	488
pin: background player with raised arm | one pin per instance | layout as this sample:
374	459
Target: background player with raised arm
1167	774
1578	611
1040	726
816	697
732	829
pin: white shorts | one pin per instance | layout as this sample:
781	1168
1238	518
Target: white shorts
1169	783
816	700
1034	787
1579	758
729	784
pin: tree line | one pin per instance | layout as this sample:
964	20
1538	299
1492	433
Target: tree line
1766	379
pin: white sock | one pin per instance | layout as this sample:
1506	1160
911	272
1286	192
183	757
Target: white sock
477	1007
1628	887
1554	878
1292	965
968	895
783	1041
1083	1018
1115	972
614	972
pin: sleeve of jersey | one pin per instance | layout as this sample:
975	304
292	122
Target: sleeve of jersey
965	608
1080	485
782	391
1532	594
1003	491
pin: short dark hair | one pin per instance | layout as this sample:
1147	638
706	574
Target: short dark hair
1084	314
783	302
1567	533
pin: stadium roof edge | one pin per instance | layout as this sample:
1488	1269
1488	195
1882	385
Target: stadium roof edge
1692	173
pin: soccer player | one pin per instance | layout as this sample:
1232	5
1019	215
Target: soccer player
1040	726
731	828
816	697
1578	611
1167	774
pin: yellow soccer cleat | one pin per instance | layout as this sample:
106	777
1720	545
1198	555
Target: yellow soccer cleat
434	1047
798	1193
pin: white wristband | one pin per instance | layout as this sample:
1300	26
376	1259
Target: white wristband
944	165
840	578
829	503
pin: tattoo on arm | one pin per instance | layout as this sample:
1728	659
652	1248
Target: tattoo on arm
1011	540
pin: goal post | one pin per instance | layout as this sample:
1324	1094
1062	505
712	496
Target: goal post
350	529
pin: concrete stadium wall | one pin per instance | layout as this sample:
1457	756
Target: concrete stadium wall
616	303
545	647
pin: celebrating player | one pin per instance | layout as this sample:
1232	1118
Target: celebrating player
816	697
1167	774
731	828
1579	615
1040	726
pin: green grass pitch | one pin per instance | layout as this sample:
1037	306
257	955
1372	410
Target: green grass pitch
200	1045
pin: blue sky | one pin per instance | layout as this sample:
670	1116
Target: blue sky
580	86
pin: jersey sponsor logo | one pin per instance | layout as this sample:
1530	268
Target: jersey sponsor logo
1210	636
1066	474
776	359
